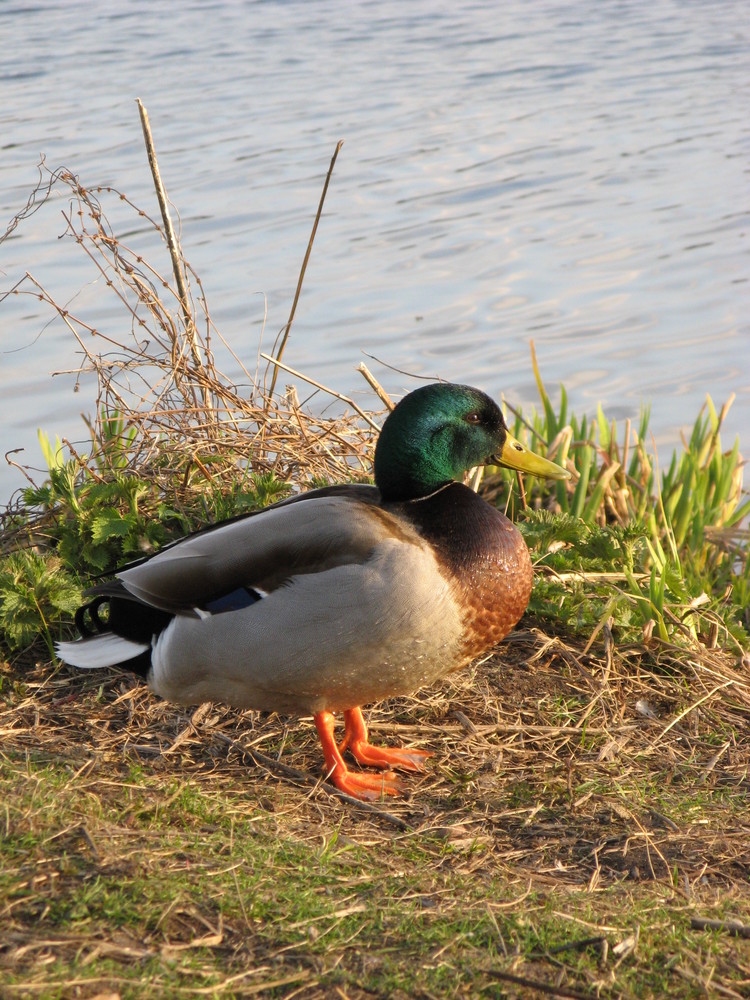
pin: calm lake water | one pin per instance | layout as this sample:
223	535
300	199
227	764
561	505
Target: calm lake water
575	173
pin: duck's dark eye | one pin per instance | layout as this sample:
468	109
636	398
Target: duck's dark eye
473	418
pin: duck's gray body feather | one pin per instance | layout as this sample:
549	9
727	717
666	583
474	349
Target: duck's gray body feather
356	609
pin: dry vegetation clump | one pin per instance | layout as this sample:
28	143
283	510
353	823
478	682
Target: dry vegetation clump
164	411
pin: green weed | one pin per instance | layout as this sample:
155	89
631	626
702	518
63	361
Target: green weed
663	555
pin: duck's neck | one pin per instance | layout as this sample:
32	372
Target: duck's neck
410	476
465	530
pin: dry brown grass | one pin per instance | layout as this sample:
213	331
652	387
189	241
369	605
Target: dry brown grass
576	805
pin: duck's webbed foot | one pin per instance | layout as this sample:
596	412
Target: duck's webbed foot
361	786
355	739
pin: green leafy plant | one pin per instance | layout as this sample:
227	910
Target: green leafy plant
36	594
91	518
679	549
97	524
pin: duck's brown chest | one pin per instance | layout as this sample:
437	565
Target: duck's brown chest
494	590
486	558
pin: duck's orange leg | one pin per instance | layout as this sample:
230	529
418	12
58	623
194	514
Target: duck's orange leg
355	738
361	786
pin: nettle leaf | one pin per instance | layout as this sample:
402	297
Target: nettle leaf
99	557
110	524
35	593
38	496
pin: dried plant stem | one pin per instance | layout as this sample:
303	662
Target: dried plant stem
692	707
541	987
374	384
179	418
303	269
323	388
174	253
729	926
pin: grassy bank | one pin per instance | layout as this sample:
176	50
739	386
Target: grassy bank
583	816
582	828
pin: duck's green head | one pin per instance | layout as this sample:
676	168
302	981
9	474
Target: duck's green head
440	431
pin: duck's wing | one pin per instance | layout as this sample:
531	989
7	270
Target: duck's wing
263	550
354	491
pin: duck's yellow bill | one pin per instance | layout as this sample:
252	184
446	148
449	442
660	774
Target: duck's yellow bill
515	456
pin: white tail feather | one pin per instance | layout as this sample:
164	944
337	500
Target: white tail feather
106	650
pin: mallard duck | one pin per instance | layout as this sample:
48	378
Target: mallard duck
337	597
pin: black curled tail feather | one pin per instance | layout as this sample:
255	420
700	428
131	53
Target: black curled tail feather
92	608
113	614
126	615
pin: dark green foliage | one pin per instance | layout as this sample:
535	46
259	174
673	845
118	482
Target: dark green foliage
36	594
92	520
251	493
96	525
